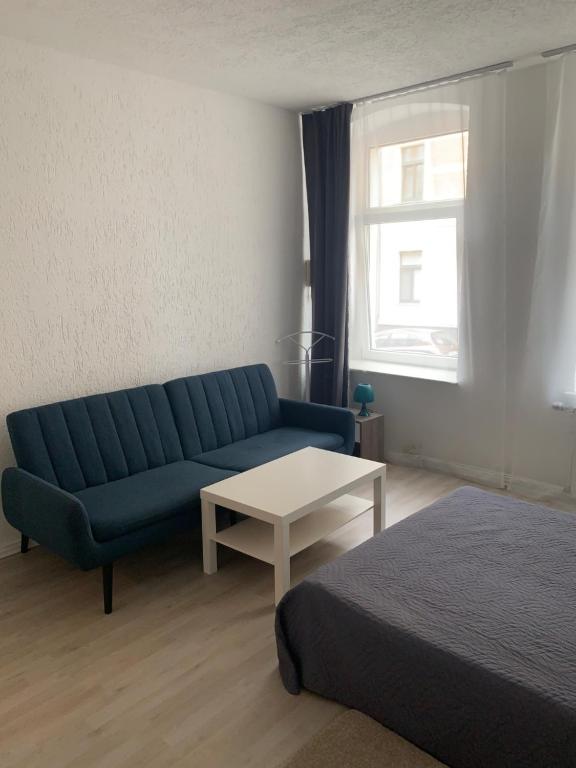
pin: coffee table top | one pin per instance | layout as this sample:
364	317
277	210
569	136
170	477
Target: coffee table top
293	485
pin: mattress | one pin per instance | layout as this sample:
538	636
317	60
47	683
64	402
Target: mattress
456	628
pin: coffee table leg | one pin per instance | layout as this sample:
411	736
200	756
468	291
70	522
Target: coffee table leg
380	502
209	554
281	560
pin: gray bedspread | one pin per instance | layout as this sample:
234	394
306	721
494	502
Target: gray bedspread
456	628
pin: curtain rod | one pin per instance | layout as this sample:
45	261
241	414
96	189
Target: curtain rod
499	67
558	51
420	86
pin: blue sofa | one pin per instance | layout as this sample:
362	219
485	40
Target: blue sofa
101	476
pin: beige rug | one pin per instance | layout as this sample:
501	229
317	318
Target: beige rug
353	740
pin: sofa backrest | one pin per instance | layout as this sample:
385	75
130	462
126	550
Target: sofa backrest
79	443
214	409
92	440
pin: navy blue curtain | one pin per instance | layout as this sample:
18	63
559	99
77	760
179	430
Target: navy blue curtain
326	142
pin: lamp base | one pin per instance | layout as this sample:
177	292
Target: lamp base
364	411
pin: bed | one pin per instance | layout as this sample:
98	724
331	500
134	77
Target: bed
456	628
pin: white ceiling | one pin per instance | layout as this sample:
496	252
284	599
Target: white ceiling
295	53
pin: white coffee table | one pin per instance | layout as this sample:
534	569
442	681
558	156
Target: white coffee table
290	503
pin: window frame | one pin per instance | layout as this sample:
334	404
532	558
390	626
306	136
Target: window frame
403	212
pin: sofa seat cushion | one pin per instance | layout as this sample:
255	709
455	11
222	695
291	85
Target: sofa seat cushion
123	506
256	450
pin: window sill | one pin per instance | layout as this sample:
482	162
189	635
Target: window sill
408	371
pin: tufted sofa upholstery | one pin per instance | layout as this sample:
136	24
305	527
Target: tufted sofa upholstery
104	475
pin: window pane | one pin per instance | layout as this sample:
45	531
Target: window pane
448	156
413	287
430	170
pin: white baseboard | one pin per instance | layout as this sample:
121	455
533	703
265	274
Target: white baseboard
466	472
537	488
9	548
12	548
489	477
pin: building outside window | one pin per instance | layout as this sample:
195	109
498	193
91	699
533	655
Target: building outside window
412	173
410	269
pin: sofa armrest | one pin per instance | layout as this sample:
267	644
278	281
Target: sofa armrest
49	515
323	418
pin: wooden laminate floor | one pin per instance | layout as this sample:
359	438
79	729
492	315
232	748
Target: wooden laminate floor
183	673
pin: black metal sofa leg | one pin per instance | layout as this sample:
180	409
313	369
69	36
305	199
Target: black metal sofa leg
107	574
24	544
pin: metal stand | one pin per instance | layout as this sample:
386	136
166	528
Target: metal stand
307	361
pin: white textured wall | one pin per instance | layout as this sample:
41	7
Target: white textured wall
147	230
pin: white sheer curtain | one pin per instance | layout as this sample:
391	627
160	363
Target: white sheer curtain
476	107
550	355
516	287
482	293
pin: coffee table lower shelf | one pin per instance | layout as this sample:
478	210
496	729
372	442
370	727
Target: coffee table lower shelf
256	538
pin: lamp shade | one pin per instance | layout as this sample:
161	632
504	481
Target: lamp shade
363	393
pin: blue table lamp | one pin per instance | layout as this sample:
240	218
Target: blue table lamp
364	394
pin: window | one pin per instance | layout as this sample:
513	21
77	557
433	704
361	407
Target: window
410	266
413	232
